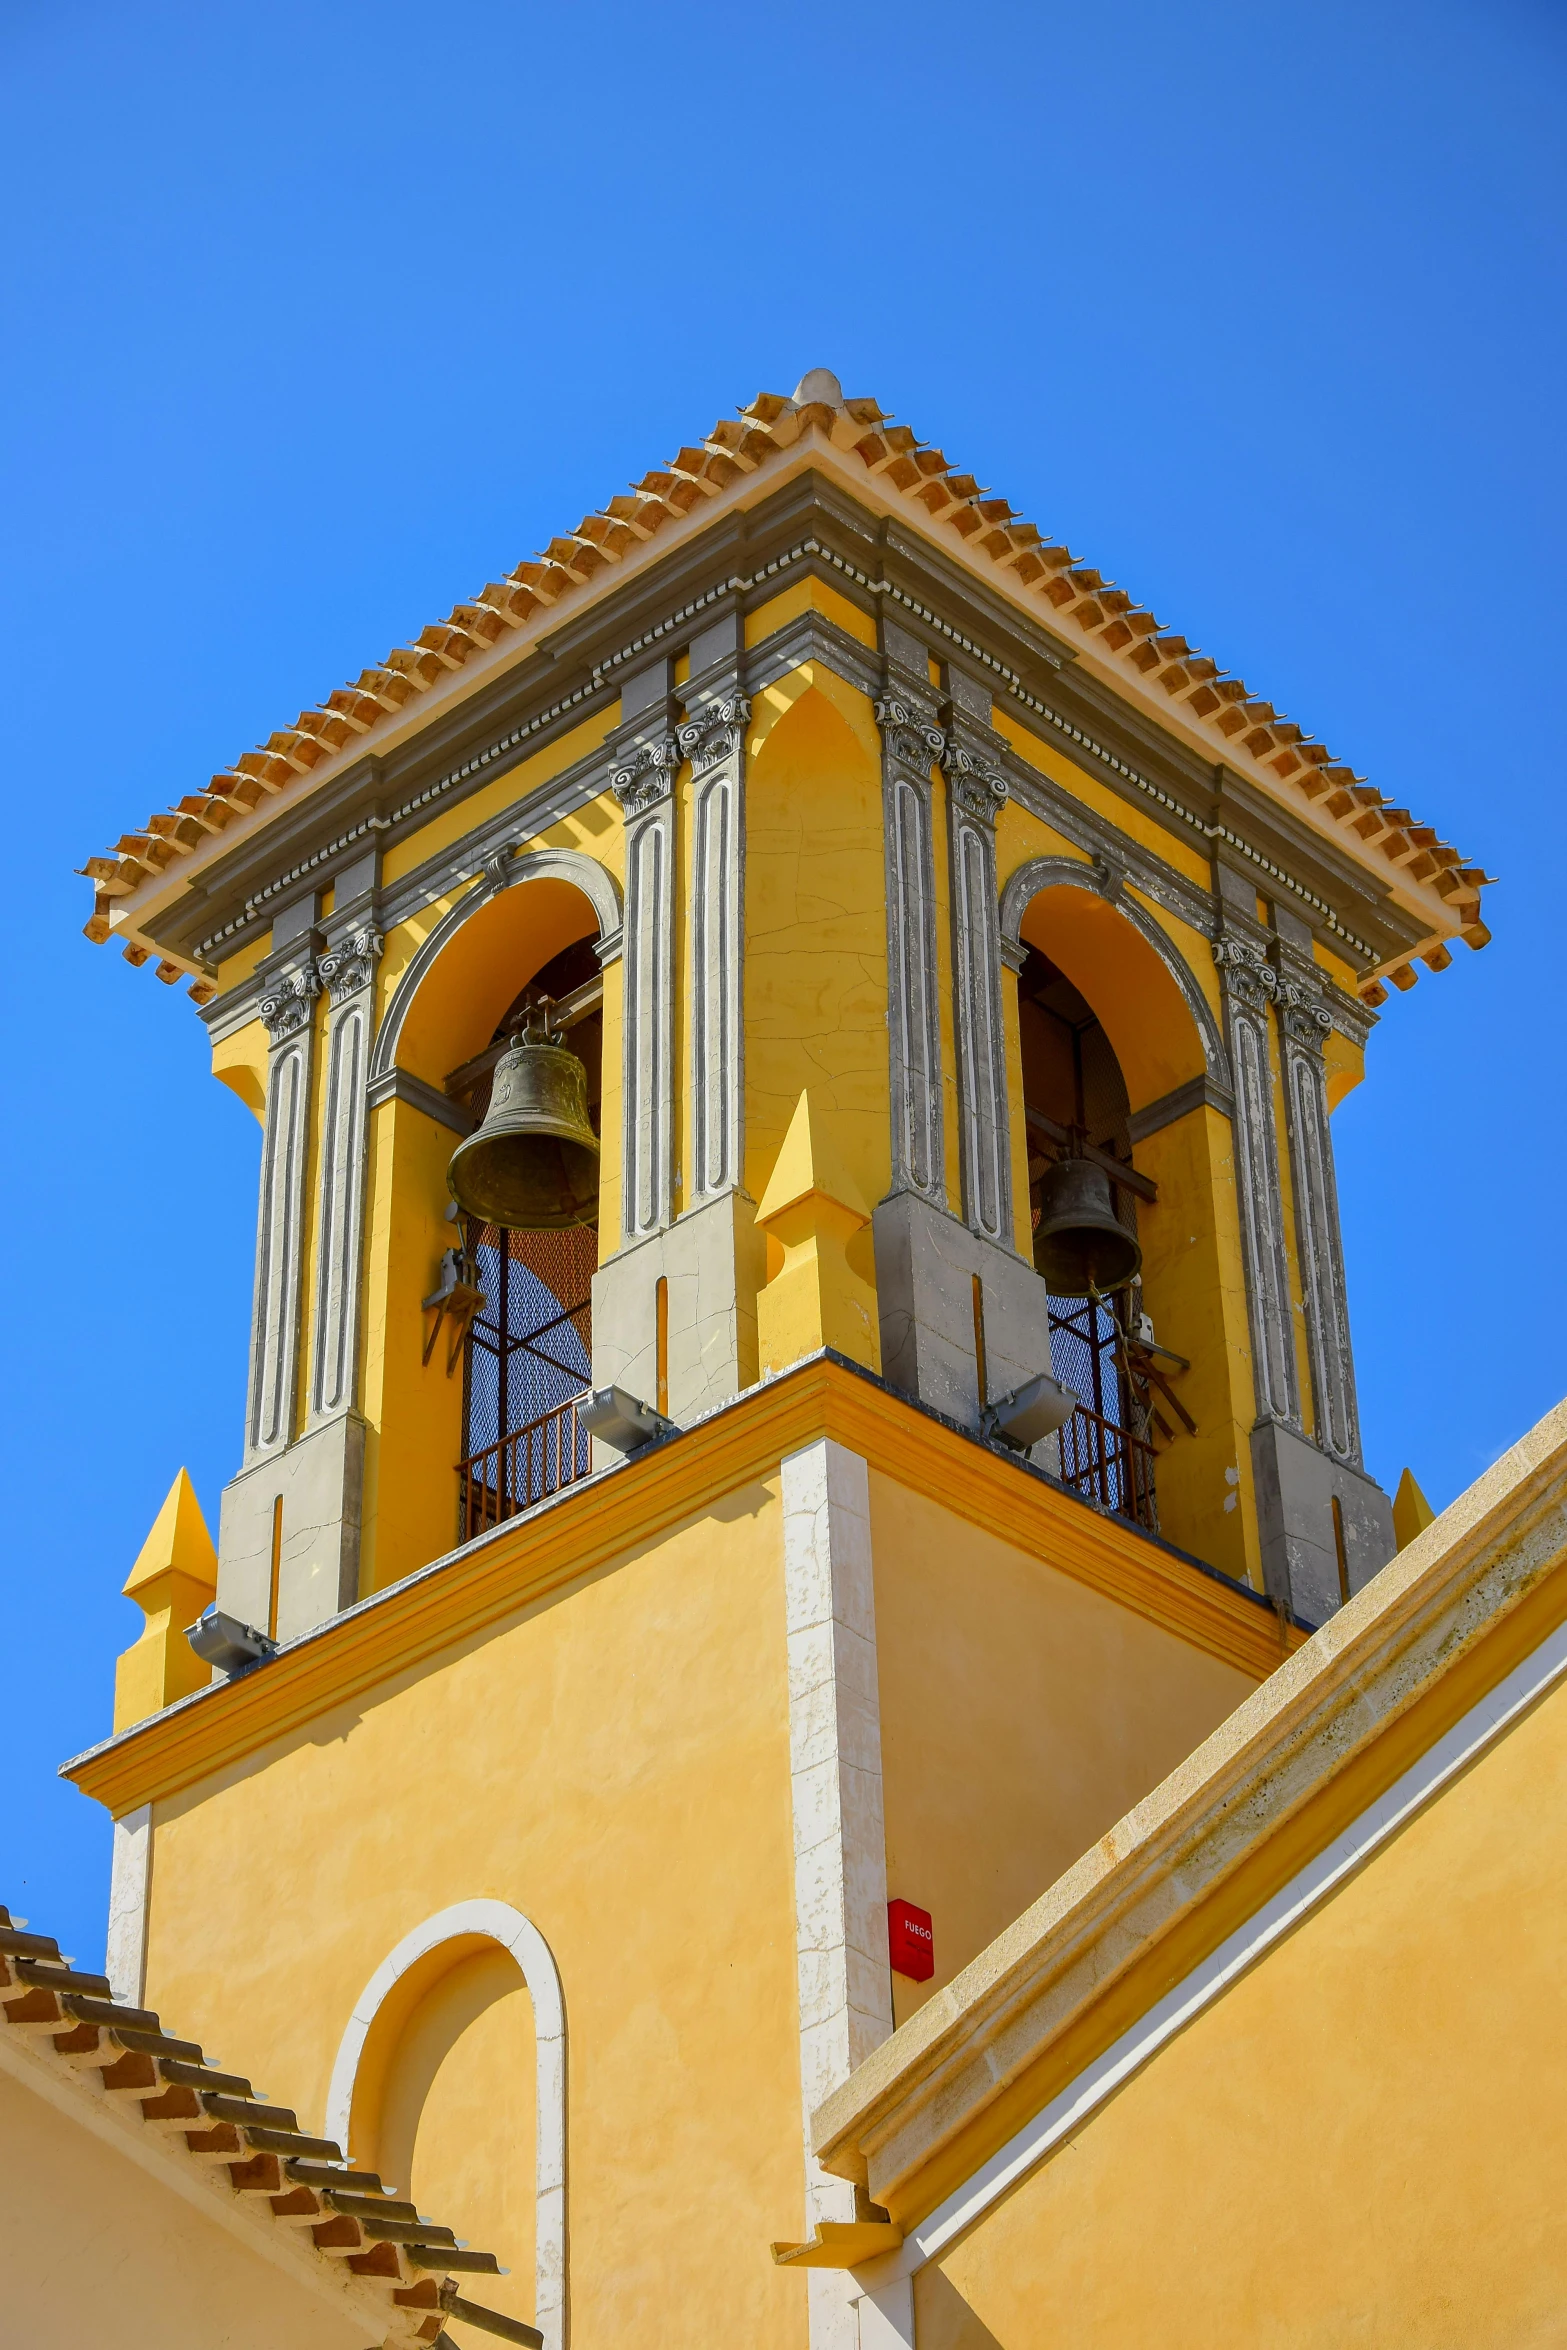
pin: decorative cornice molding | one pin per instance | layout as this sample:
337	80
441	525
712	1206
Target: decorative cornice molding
349	963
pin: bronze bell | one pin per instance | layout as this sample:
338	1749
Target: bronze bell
1081	1244
533	1166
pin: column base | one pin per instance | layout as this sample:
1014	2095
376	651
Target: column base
926	1263
320	1479
1296	1487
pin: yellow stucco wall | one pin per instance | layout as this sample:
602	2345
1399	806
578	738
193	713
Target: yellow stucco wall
97	2251
1022	1716
1361	2142
614	1763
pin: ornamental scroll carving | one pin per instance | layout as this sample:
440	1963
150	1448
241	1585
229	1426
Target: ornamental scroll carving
288	1005
350	963
645	778
977	787
716	732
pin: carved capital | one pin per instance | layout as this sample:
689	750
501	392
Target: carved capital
909	733
287	1006
350	964
715	732
979	789
1305	1017
1247	974
646	776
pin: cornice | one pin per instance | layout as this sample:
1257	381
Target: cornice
568	665
584	1528
1332	1726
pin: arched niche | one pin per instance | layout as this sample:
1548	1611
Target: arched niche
435	1981
815	926
461	978
1170	1053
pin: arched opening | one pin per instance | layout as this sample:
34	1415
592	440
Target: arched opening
448	1377
1117	1039
1075	1100
450	2081
528	1351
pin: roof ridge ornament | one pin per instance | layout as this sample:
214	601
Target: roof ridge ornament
818	386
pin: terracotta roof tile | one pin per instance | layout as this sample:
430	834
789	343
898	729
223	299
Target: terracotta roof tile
1240	725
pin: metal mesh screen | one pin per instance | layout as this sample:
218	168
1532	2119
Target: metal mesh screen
530	1350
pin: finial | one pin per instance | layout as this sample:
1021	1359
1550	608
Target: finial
818	384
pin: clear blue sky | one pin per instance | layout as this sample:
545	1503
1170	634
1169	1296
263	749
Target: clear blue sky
315	318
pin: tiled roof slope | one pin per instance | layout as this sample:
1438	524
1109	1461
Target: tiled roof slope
398	2267
1245	730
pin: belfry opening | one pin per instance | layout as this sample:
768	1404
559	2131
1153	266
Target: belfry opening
667	1623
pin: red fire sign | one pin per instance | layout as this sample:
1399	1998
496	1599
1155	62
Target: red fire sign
911	1945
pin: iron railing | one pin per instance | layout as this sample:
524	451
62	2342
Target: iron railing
1105	1451
524	1467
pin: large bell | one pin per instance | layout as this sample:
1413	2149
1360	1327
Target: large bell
1081	1244
533	1165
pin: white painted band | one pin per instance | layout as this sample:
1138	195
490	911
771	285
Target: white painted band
498	1922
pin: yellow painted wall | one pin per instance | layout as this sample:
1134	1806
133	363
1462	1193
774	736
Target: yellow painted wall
96	2251
809	595
1105	801
816	927
1363	2141
1022	1716
614	1762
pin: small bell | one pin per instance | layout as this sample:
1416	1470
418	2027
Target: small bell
533	1165
1081	1244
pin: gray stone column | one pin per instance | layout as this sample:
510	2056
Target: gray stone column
288	1009
1249	984
348	968
976	792
643	778
912	743
1304	1026
713	739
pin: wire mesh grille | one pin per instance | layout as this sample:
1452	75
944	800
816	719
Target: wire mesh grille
1105	1453
527	1357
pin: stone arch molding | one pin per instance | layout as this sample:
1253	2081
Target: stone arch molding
1105	882
584	873
497	1922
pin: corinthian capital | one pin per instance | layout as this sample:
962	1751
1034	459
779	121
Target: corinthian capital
979	789
909	732
715	732
1246	972
286	1007
646	776
350	964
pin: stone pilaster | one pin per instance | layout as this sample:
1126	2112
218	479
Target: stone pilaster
288	1009
912	743
643	777
1249	985
1304	1026
348	968
976	793
713	740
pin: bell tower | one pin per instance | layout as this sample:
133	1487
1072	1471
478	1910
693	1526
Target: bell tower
800	1355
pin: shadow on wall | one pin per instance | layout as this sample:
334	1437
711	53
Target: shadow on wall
943	2320
457	2120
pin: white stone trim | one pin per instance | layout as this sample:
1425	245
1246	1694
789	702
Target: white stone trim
498	1922
840	1856
130	1885
883	2285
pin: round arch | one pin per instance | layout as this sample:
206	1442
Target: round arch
474	1922
567	869
1088	935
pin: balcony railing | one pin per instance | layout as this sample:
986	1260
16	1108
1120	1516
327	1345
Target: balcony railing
524	1467
1109	1465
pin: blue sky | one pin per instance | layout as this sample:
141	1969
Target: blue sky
316	318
